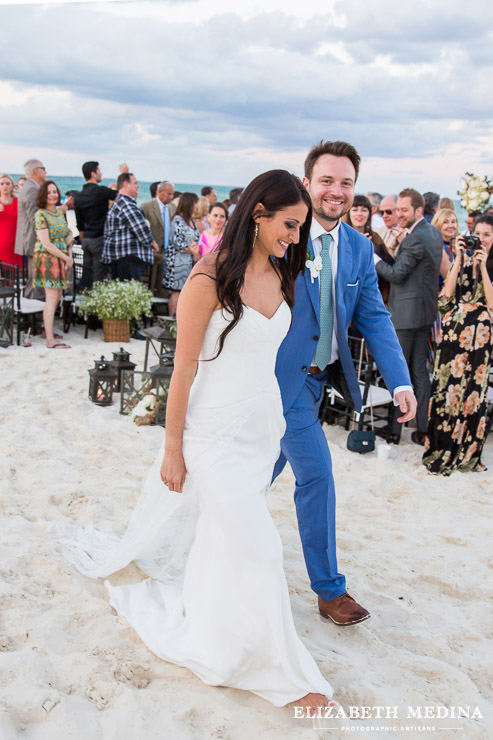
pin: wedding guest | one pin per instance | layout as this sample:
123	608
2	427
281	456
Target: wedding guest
209	193
389	217
210	238
457	424
174	204
201	212
234	197
360	218
431	205
52	255
183	246
8	221
446	203
446	221
471	217
128	242
413	297
20	182
156	212
153	188
25	236
376	219
91	208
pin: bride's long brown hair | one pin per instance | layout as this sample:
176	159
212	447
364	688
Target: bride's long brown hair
275	190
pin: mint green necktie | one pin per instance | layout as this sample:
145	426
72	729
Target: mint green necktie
324	346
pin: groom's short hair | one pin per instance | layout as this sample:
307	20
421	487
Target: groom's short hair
338	149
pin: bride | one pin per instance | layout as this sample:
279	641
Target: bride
217	599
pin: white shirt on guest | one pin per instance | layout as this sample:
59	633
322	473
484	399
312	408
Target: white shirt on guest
377	222
161	207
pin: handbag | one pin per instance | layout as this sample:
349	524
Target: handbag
359	440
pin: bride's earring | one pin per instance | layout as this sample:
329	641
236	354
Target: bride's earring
255	235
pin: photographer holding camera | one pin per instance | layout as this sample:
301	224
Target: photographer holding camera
457	422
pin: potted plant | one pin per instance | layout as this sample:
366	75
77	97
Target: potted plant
115	303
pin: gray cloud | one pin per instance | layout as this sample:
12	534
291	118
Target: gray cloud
391	79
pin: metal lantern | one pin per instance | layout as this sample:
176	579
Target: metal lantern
135	386
161	338
161	376
7	296
101	383
121	362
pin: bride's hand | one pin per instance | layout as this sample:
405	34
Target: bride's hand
173	472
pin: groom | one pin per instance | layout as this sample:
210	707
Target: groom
316	351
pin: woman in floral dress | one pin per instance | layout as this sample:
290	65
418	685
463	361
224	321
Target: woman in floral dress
52	255
457	420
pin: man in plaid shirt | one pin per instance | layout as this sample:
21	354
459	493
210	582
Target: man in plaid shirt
128	242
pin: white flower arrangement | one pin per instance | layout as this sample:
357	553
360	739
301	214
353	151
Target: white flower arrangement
144	406
475	192
314	265
115	300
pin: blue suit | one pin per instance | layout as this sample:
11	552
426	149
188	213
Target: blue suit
304	445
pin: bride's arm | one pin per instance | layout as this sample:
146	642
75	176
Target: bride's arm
198	300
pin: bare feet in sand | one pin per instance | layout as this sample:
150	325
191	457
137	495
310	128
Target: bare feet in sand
312	702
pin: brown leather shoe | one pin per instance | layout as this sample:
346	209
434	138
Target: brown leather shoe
343	610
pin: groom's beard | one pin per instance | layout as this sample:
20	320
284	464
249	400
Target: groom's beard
330	218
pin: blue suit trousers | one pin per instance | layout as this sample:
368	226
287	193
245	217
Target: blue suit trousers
305	447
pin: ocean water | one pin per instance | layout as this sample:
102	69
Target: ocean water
76	183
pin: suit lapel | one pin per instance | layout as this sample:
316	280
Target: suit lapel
157	210
344	270
312	288
344	265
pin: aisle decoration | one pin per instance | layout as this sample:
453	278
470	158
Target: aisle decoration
144	395
102	380
115	303
475	192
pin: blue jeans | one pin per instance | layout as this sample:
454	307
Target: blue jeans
305	447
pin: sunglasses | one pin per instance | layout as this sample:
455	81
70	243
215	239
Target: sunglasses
387	211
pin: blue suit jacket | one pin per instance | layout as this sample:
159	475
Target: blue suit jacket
359	300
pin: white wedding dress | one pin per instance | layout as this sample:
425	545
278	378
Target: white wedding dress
217	599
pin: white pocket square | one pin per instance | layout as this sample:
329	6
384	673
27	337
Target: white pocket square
353	285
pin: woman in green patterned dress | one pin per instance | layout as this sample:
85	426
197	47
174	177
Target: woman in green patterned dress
52	255
457	420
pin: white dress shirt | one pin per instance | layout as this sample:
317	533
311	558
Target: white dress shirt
316	232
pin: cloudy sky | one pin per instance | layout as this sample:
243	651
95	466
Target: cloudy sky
217	91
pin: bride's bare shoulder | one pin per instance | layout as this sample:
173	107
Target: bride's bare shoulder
206	266
201	283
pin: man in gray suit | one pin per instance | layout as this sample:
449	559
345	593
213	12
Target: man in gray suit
25	237
157	213
413	296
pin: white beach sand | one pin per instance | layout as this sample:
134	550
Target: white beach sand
416	551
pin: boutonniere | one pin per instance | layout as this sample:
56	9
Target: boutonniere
314	265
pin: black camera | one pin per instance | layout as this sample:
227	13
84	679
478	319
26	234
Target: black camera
472	242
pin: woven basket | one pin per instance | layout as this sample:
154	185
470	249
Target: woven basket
116	331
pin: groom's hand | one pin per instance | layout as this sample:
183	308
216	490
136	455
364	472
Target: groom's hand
407	404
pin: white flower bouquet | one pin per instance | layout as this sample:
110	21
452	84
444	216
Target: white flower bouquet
475	192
